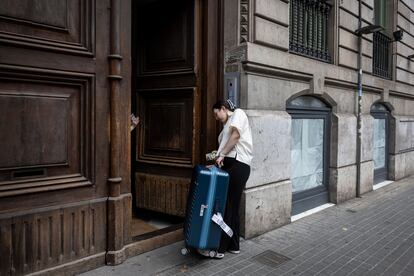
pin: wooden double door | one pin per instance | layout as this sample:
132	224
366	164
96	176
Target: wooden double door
54	139
171	97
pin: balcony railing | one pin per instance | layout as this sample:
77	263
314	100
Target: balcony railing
381	61
309	28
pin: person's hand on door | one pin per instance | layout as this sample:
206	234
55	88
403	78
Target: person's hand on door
134	121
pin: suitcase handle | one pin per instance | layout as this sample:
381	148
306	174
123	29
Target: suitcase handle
216	206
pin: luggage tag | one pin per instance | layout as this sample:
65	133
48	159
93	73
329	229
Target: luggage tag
218	219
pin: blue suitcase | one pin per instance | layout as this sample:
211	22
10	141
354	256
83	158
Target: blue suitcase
207	196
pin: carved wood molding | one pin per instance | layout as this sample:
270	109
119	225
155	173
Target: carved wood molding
76	35
173	22
174	150
78	170
244	21
50	237
164	194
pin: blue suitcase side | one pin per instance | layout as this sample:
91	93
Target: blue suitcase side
208	195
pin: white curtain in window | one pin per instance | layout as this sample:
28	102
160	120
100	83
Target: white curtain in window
307	153
379	143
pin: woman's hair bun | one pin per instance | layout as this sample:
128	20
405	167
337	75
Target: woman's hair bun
228	104
232	106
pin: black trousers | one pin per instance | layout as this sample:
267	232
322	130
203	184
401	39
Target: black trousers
239	174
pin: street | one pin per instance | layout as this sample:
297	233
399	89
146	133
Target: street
372	235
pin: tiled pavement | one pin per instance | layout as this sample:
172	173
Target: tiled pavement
372	235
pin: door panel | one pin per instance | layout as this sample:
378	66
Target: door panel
168	101
44	129
168	44
60	25
46	111
162	193
168	124
54	153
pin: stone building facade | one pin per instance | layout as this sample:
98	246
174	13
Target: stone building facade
297	62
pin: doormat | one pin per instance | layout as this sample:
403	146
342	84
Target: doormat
270	258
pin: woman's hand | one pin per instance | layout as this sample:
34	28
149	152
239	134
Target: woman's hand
219	161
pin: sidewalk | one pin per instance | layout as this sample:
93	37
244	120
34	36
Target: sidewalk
372	235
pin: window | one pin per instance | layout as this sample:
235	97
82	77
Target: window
309	28
382	47
308	102
382	13
381	61
309	152
380	142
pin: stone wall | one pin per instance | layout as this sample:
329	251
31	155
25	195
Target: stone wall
270	76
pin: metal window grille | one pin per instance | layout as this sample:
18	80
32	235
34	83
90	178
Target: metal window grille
308	31
381	61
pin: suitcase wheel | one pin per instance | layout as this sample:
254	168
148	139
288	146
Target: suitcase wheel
185	251
212	253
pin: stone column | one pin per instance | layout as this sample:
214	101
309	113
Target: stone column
342	177
267	200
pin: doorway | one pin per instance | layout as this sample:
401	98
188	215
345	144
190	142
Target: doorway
169	94
380	142
309	153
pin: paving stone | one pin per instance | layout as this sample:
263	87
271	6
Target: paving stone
364	236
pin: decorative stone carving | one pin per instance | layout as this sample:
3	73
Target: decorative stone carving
244	20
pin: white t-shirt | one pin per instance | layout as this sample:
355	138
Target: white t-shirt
243	150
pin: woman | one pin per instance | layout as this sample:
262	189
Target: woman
234	155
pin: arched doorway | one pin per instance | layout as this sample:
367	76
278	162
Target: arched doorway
309	152
380	142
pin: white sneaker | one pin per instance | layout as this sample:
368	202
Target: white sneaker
206	253
219	256
234	251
